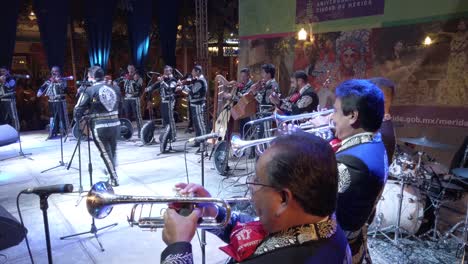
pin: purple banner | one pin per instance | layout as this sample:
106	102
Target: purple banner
431	116
308	11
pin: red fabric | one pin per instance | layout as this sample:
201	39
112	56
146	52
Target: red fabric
295	97
244	240
336	144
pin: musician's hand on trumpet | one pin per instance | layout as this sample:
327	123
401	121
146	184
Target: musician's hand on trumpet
320	120
178	228
197	190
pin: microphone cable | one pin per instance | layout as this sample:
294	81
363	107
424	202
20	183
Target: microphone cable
24	229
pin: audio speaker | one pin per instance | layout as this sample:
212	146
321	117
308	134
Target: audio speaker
11	231
8	135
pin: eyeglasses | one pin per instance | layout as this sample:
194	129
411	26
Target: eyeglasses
253	181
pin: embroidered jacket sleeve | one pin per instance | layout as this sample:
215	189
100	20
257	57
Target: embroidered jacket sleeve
355	193
263	96
177	253
43	88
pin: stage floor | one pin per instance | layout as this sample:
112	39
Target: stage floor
142	171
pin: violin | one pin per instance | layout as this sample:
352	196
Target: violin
257	86
187	81
54	79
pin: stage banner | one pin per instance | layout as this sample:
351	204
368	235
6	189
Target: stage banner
308	11
427	61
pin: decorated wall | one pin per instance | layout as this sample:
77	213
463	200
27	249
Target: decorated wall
422	45
368	38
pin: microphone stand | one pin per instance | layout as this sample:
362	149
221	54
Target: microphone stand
44	205
78	146
203	232
61	163
94	230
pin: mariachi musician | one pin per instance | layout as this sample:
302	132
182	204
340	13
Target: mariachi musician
303	99
55	88
101	102
166	85
262	91
243	87
133	85
197	97
9	113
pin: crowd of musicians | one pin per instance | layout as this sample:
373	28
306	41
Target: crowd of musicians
313	202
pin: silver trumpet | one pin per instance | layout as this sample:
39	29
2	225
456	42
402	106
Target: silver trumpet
238	145
101	199
285	118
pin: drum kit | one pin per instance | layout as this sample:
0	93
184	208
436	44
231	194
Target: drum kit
416	189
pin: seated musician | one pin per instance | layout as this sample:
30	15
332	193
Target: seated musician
302	100
293	193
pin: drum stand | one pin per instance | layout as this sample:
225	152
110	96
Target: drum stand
396	229
436	202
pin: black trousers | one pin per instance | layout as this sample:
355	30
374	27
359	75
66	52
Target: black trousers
167	112
105	138
59	117
198	115
9	113
132	111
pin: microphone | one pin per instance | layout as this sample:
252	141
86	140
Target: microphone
203	138
152	72
50	189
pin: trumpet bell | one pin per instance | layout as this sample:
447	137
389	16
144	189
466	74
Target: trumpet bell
95	201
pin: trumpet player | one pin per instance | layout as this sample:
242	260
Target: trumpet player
55	89
303	99
295	208
9	113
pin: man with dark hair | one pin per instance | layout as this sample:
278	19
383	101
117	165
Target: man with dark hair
166	85
267	86
294	195
8	111
102	102
133	86
362	160
197	97
55	89
302	100
262	91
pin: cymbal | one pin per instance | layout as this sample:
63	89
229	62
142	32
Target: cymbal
461	172
423	141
